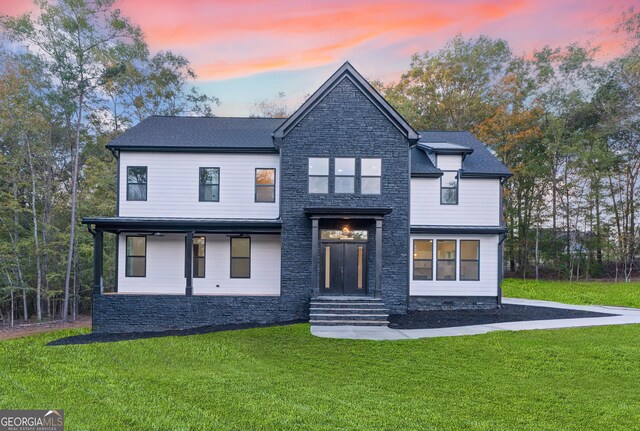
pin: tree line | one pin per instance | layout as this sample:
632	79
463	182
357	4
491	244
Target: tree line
566	125
75	74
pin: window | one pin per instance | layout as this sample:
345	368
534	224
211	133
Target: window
423	259
136	261
345	175
209	185
470	260
446	264
318	175
136	183
449	188
199	250
240	257
370	172
265	185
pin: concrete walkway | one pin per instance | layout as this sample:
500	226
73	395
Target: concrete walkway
624	316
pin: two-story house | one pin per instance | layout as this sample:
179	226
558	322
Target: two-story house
340	214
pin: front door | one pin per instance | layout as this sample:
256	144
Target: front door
344	268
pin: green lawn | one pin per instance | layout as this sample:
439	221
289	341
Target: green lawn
581	292
284	378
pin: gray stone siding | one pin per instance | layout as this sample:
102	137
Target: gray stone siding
345	124
147	313
423	303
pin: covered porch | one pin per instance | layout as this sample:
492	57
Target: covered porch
174	251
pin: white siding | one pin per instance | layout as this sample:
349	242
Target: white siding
486	286
165	267
173	180
478	203
449	162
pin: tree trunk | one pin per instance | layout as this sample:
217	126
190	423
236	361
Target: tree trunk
36	243
74	188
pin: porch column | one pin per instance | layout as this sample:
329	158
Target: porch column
378	291
314	257
188	263
97	262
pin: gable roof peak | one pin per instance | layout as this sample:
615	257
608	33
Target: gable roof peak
347	71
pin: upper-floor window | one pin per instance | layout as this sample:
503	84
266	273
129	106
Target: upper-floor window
449	188
136	257
345	175
470	260
318	175
370	173
136	183
209	185
265	185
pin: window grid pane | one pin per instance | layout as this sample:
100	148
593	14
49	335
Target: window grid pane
240	258
318	184
136	260
344	184
423	259
449	188
470	260
370	186
265	185
136	183
319	166
446	260
345	166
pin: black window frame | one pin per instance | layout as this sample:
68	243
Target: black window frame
336	175
422	260
257	186
127	256
146	183
232	258
470	260
456	188
202	185
454	260
309	175
195	257
362	176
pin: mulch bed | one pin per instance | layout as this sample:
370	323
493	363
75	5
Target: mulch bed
508	313
26	329
109	338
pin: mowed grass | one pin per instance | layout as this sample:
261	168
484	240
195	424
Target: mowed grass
579	292
283	378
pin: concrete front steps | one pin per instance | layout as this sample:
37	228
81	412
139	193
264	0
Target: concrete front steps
348	310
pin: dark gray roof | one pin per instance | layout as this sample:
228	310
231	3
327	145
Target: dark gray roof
347	71
200	133
421	165
480	163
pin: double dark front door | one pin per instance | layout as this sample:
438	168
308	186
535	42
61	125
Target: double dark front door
344	268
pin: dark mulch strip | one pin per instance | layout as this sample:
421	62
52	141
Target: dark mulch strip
508	313
110	338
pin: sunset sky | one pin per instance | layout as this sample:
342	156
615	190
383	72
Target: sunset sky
248	50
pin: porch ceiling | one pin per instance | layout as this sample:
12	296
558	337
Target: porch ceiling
160	224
